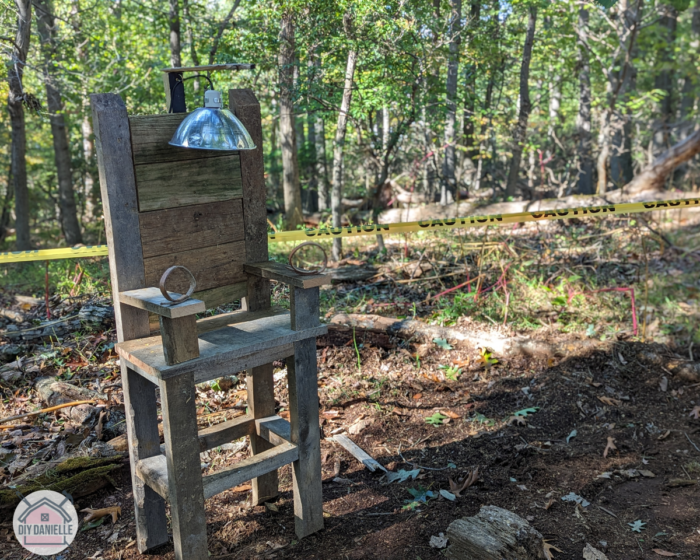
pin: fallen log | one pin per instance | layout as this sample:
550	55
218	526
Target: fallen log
494	534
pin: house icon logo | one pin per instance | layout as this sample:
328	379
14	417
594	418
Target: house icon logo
45	522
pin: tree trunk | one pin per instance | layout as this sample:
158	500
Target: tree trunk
189	37
62	157
449	183
321	163
664	79
585	170
19	138
690	83
222	27
338	145
288	140
174	19
468	117
525	104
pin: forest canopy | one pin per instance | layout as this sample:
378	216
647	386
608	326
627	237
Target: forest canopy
362	102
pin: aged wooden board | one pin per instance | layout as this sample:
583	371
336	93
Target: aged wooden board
261	402
154	472
212	267
218	321
218	348
151	299
282	273
226	432
225	294
193	227
250	468
274	429
179	336
188	182
150	135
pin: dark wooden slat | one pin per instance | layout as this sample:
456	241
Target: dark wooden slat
180	343
225	294
219	321
274	429
186	497
226	432
249	469
119	202
261	402
305	309
212	267
282	273
193	227
218	348
305	433
188	182
150	135
152	300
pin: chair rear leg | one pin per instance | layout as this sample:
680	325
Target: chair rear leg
303	410
261	401
186	494
144	442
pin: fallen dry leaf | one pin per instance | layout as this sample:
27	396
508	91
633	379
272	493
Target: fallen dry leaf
695	413
331	413
609	401
417	396
663	552
457	487
590	553
100	423
664	436
284	414
93	514
663	384
548	550
549	503
451	414
242	488
609	447
519	420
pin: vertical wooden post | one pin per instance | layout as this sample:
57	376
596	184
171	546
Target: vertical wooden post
303	410
180	342
118	186
186	494
261	387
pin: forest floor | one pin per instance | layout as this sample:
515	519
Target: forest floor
610	419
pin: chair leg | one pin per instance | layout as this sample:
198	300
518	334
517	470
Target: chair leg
142	431
261	401
186	495
303	411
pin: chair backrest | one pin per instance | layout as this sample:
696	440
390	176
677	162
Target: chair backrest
166	206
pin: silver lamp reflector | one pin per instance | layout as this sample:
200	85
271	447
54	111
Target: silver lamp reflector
212	128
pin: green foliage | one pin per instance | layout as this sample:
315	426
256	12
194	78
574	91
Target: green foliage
451	372
436	419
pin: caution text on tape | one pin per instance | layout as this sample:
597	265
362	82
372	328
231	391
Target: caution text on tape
436	224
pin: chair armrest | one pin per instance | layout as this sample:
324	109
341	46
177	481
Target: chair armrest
282	273
152	300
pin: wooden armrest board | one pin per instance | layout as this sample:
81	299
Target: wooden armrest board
152	300
282	273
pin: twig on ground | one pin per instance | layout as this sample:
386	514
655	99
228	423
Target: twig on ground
691	442
42	411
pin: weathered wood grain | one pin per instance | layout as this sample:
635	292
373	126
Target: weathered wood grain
226	432
249	469
153	301
193	227
188	182
234	317
212	267
224	294
120	206
493	534
180	343
304	308
186	497
305	433
216	348
154	472
360	454
261	402
150	135
274	429
282	273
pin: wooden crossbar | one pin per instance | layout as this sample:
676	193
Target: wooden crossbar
154	472
274	429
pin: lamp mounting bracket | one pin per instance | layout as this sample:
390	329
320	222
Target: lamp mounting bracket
175	97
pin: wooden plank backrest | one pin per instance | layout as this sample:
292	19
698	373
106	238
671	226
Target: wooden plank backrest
168	206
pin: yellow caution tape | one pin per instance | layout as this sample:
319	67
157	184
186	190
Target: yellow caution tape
608	210
438	224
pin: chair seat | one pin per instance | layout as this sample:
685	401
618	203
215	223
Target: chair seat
226	350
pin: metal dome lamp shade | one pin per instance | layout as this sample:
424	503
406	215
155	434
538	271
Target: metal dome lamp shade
212	127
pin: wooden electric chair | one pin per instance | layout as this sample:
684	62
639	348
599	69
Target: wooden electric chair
167	206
